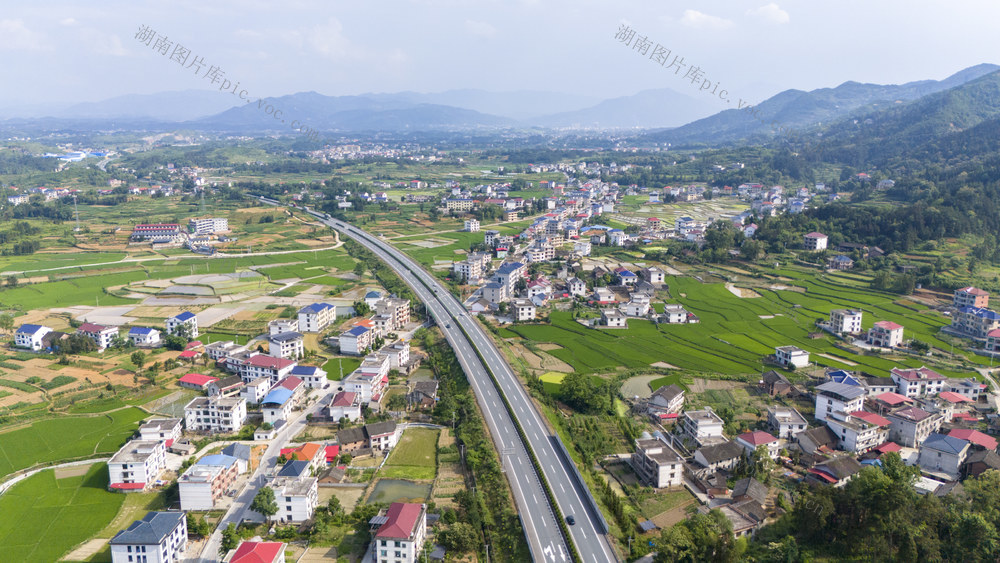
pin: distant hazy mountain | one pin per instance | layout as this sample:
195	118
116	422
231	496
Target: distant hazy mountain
796	109
164	106
648	109
520	104
368	112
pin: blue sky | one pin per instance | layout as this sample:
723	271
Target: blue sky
67	52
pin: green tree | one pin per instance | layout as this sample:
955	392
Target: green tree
460	537
333	505
138	358
12	281
6	322
230	539
264	503
361	308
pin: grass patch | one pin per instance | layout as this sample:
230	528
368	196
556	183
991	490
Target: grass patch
41	518
58	381
19	385
332	367
414	457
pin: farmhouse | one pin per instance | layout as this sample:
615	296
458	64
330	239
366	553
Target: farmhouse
919	382
30	336
791	356
885	334
196	381
702	426
859	431
313	377
137	465
163	429
785	421
971	297
259	552
657	464
206	482
943	455
101	335
316	317
296	497
910	426
815	241
721	456
286	345
750	441
845	321
161	535
834	397
185	319
668	399
401	533
215	414
345	404
613	318
144	336
836	472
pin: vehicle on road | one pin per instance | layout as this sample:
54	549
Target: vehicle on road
570	520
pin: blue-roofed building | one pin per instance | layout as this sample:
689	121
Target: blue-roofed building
295	468
160	536
144	336
627	277
943	455
290	345
277	405
185	319
356	340
316	317
30	336
976	322
840	262
841	376
372	297
222	460
508	274
313	377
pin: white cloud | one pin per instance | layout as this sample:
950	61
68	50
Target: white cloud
67	21
699	20
771	13
17	37
108	45
481	29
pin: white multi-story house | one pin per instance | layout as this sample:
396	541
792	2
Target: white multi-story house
582	248
791	356
102	336
369	386
313	377
653	275
724	455
785	421
345	404
208	226
215	414
523	310
468	271
507	275
382	436
137	465
296	497
910	426
968	387
971	297
219	350
286	345
674	314
255	391
702	426
357	340
401	537
188	319
205	483
834	397
398	309
845	320
316	317
750	441
471	225
668	399
281	326
163	429
885	334
576	287
144	336
266	366
30	336
815	241
277	405
859	431
657	464
160	537
919	382
613	318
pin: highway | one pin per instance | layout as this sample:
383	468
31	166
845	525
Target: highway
466	337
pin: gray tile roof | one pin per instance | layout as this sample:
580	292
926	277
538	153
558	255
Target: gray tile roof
151	530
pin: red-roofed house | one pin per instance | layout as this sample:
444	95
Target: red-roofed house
976	437
259	552
312	452
190	354
885	334
954	398
266	366
919	382
888	447
888	401
332	452
345	403
971	297
859	431
196	381
752	440
100	334
401	537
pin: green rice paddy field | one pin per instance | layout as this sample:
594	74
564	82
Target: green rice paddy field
42	518
732	336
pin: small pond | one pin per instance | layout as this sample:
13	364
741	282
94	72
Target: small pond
399	490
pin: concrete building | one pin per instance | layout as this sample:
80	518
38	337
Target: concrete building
297	498
205	483
791	356
975	322
750	441
316	317
160	537
523	310
281	326
919	382
401	533
208	226
814	241
142	336
30	336
832	397
859	431
471	225
163	429
971	297
786	422
289	345
845	321
215	414
345	404
885	334
137	465
702	426
943	455
910	426
186	319
657	464
102	335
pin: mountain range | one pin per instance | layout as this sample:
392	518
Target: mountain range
667	116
